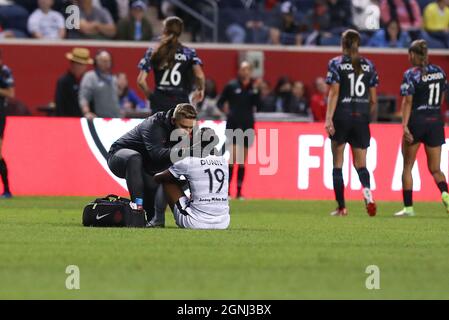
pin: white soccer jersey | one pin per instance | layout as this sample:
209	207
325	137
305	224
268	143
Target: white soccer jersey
208	179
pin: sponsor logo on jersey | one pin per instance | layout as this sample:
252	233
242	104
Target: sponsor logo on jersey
180	57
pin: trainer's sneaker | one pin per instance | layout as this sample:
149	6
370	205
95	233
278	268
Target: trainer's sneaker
371	207
155	225
6	195
445	198
340	213
406	212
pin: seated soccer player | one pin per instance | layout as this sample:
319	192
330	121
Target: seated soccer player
207	176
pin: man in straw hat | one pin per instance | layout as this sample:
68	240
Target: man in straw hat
67	88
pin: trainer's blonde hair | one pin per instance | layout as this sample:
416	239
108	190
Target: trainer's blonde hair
185	111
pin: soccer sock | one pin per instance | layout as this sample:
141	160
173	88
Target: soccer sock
364	177
240	178
337	175
160	203
442	186
4	174
134	177
408	198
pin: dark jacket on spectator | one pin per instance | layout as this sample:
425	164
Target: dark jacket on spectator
127	27
66	96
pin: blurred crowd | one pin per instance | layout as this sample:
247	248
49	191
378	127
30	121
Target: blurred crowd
90	84
383	23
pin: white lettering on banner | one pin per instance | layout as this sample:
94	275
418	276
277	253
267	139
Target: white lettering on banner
268	160
397	175
305	160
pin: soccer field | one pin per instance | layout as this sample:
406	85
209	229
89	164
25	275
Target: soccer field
273	250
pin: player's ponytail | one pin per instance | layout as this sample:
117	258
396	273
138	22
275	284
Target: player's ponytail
164	55
420	52
350	42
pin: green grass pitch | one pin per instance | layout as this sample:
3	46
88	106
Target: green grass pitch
273	250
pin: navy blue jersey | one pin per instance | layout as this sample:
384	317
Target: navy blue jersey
354	96
427	87
6	82
178	79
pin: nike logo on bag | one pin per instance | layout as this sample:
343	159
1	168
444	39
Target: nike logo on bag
103	216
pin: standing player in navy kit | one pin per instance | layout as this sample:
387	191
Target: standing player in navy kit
6	91
173	65
352	101
422	88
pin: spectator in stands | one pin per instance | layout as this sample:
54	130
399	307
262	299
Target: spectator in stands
318	102
407	12
208	107
298	102
340	15
98	95
267	98
286	30
128	98
136	27
391	36
318	22
123	8
45	23
257	31
111	6
366	15
4	33
13	19
96	22
283	92
436	21
67	87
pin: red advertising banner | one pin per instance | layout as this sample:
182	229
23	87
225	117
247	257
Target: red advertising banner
50	156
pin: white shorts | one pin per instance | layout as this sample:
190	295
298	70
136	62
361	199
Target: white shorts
187	222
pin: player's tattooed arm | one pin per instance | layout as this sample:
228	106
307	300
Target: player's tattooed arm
331	105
